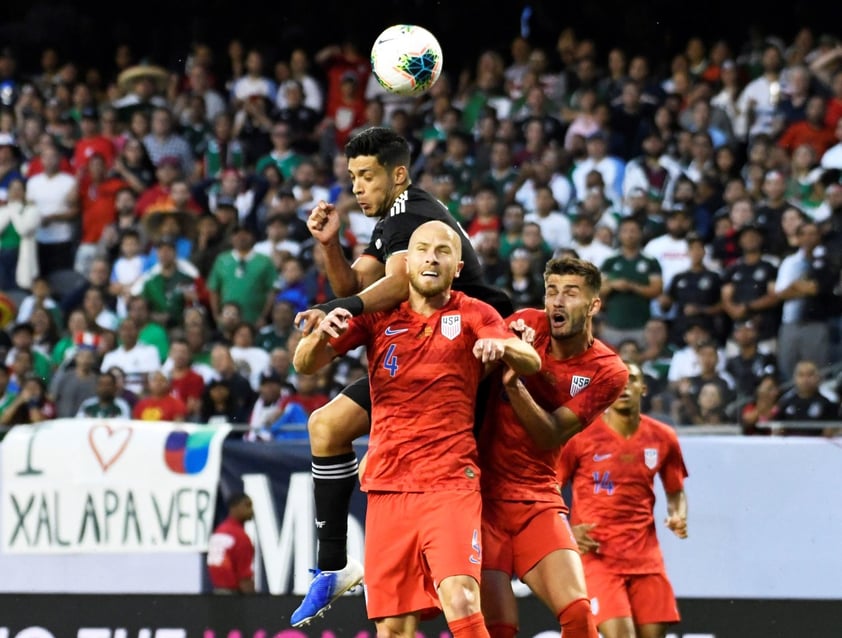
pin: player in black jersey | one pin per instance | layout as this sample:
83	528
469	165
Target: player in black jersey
378	163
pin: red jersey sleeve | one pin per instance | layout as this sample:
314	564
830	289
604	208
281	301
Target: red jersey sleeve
602	391
358	333
673	471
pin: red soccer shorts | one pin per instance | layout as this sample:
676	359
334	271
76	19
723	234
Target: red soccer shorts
413	542
646	598
516	535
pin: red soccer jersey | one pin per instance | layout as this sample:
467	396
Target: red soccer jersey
189	386
230	555
166	408
424	380
513	466
613	488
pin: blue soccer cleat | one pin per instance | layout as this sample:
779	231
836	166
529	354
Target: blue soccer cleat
325	588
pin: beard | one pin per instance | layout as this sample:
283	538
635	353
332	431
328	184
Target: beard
428	287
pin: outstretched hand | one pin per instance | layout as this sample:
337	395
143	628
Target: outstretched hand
308	320
525	332
335	323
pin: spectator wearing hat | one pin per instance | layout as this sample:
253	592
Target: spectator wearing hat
749	365
694	292
91	142
162	141
631	280
748	288
245	277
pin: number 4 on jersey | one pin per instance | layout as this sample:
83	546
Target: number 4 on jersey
602	481
390	362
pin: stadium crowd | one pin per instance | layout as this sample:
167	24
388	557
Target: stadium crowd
154	248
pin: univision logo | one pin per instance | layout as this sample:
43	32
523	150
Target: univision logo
186	453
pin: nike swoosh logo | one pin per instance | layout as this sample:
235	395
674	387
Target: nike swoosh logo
600	457
391	333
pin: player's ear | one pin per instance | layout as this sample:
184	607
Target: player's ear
401	175
596	306
458	268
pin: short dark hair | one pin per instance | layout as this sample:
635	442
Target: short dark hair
236	498
388	147
575	266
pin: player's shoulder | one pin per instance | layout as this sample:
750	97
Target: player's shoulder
607	355
416	201
533	317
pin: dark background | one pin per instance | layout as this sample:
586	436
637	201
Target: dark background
88	32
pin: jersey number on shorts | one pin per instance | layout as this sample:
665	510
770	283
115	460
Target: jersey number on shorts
391	361
603	482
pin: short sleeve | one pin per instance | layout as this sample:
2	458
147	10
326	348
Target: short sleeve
599	394
673	471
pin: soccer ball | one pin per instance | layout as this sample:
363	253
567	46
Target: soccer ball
406	59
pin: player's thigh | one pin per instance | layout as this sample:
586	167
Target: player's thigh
608	592
652	630
333	427
652	600
499	605
617	628
403	626
558	579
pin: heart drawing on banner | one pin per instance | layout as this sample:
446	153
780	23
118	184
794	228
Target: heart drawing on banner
108	443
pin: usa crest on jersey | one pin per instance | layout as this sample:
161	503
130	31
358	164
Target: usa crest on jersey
451	326
578	383
650	457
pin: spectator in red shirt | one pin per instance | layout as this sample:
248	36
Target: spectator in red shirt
91	142
160	405
812	130
307	394
230	550
185	383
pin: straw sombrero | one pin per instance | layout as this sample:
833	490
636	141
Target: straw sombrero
157	74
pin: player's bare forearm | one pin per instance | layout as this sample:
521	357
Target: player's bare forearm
548	430
677	513
313	353
385	293
344	280
521	356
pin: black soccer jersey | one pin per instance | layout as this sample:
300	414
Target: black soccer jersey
414	207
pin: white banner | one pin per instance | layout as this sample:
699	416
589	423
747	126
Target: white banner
100	485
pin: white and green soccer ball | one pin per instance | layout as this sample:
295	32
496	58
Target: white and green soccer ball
406	59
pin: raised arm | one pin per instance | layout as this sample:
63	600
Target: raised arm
314	351
520	356
549	430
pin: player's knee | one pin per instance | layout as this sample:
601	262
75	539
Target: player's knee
459	597
577	617
323	432
390	630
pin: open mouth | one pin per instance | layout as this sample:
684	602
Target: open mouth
432	274
558	320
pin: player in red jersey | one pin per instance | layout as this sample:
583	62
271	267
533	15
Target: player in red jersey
378	164
612	467
426	359
525	529
230	550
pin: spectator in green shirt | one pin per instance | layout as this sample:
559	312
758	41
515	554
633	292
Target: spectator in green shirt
168	289
245	277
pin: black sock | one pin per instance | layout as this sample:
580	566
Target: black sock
334	480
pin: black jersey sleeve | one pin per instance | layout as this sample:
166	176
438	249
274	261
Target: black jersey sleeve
375	245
